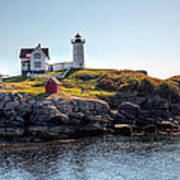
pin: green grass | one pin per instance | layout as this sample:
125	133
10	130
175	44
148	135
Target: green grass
106	82
15	79
55	73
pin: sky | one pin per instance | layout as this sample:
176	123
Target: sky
120	34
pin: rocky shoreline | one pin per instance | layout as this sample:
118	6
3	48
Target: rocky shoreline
27	118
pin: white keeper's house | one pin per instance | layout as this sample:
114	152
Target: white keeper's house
37	60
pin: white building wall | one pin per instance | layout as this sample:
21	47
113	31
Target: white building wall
78	55
61	66
24	59
24	68
43	60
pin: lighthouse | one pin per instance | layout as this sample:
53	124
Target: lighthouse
78	51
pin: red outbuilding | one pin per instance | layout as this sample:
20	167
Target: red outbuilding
53	85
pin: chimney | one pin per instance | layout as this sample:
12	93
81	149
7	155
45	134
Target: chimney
39	45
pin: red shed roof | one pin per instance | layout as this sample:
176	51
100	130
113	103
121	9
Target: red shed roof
56	81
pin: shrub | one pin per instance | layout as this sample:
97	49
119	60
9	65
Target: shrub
15	79
107	83
146	86
133	85
168	90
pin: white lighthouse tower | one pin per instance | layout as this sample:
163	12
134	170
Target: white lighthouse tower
78	51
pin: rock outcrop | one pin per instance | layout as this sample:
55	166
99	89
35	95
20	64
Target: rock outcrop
23	116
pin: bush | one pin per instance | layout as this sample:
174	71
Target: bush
15	79
168	90
146	86
133	85
106	83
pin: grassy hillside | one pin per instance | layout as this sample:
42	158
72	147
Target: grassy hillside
98	82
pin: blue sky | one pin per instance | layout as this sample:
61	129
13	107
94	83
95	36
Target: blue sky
121	34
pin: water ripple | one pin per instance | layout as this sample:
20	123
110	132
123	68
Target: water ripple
101	158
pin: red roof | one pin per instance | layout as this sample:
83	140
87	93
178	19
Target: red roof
55	80
28	55
30	50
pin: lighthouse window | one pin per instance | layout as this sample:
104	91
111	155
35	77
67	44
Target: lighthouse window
80	64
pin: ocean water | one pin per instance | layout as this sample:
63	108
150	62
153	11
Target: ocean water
93	158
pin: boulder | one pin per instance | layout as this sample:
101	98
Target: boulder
11	105
77	119
166	125
63	105
93	128
119	118
156	102
129	109
43	113
150	129
175	107
2	95
60	118
10	113
23	109
15	96
14	121
92	105
48	131
5	97
11	131
123	129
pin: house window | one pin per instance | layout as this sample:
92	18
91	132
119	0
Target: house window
37	64
24	64
37	56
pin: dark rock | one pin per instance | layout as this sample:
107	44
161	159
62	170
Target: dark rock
142	71
2	95
92	129
150	129
128	106
42	114
78	115
175	107
48	131
119	118
166	125
86	77
11	105
139	100
63	105
129	109
11	131
77	119
123	129
156	102
23	109
69	117
15	96
96	106
60	118
145	122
